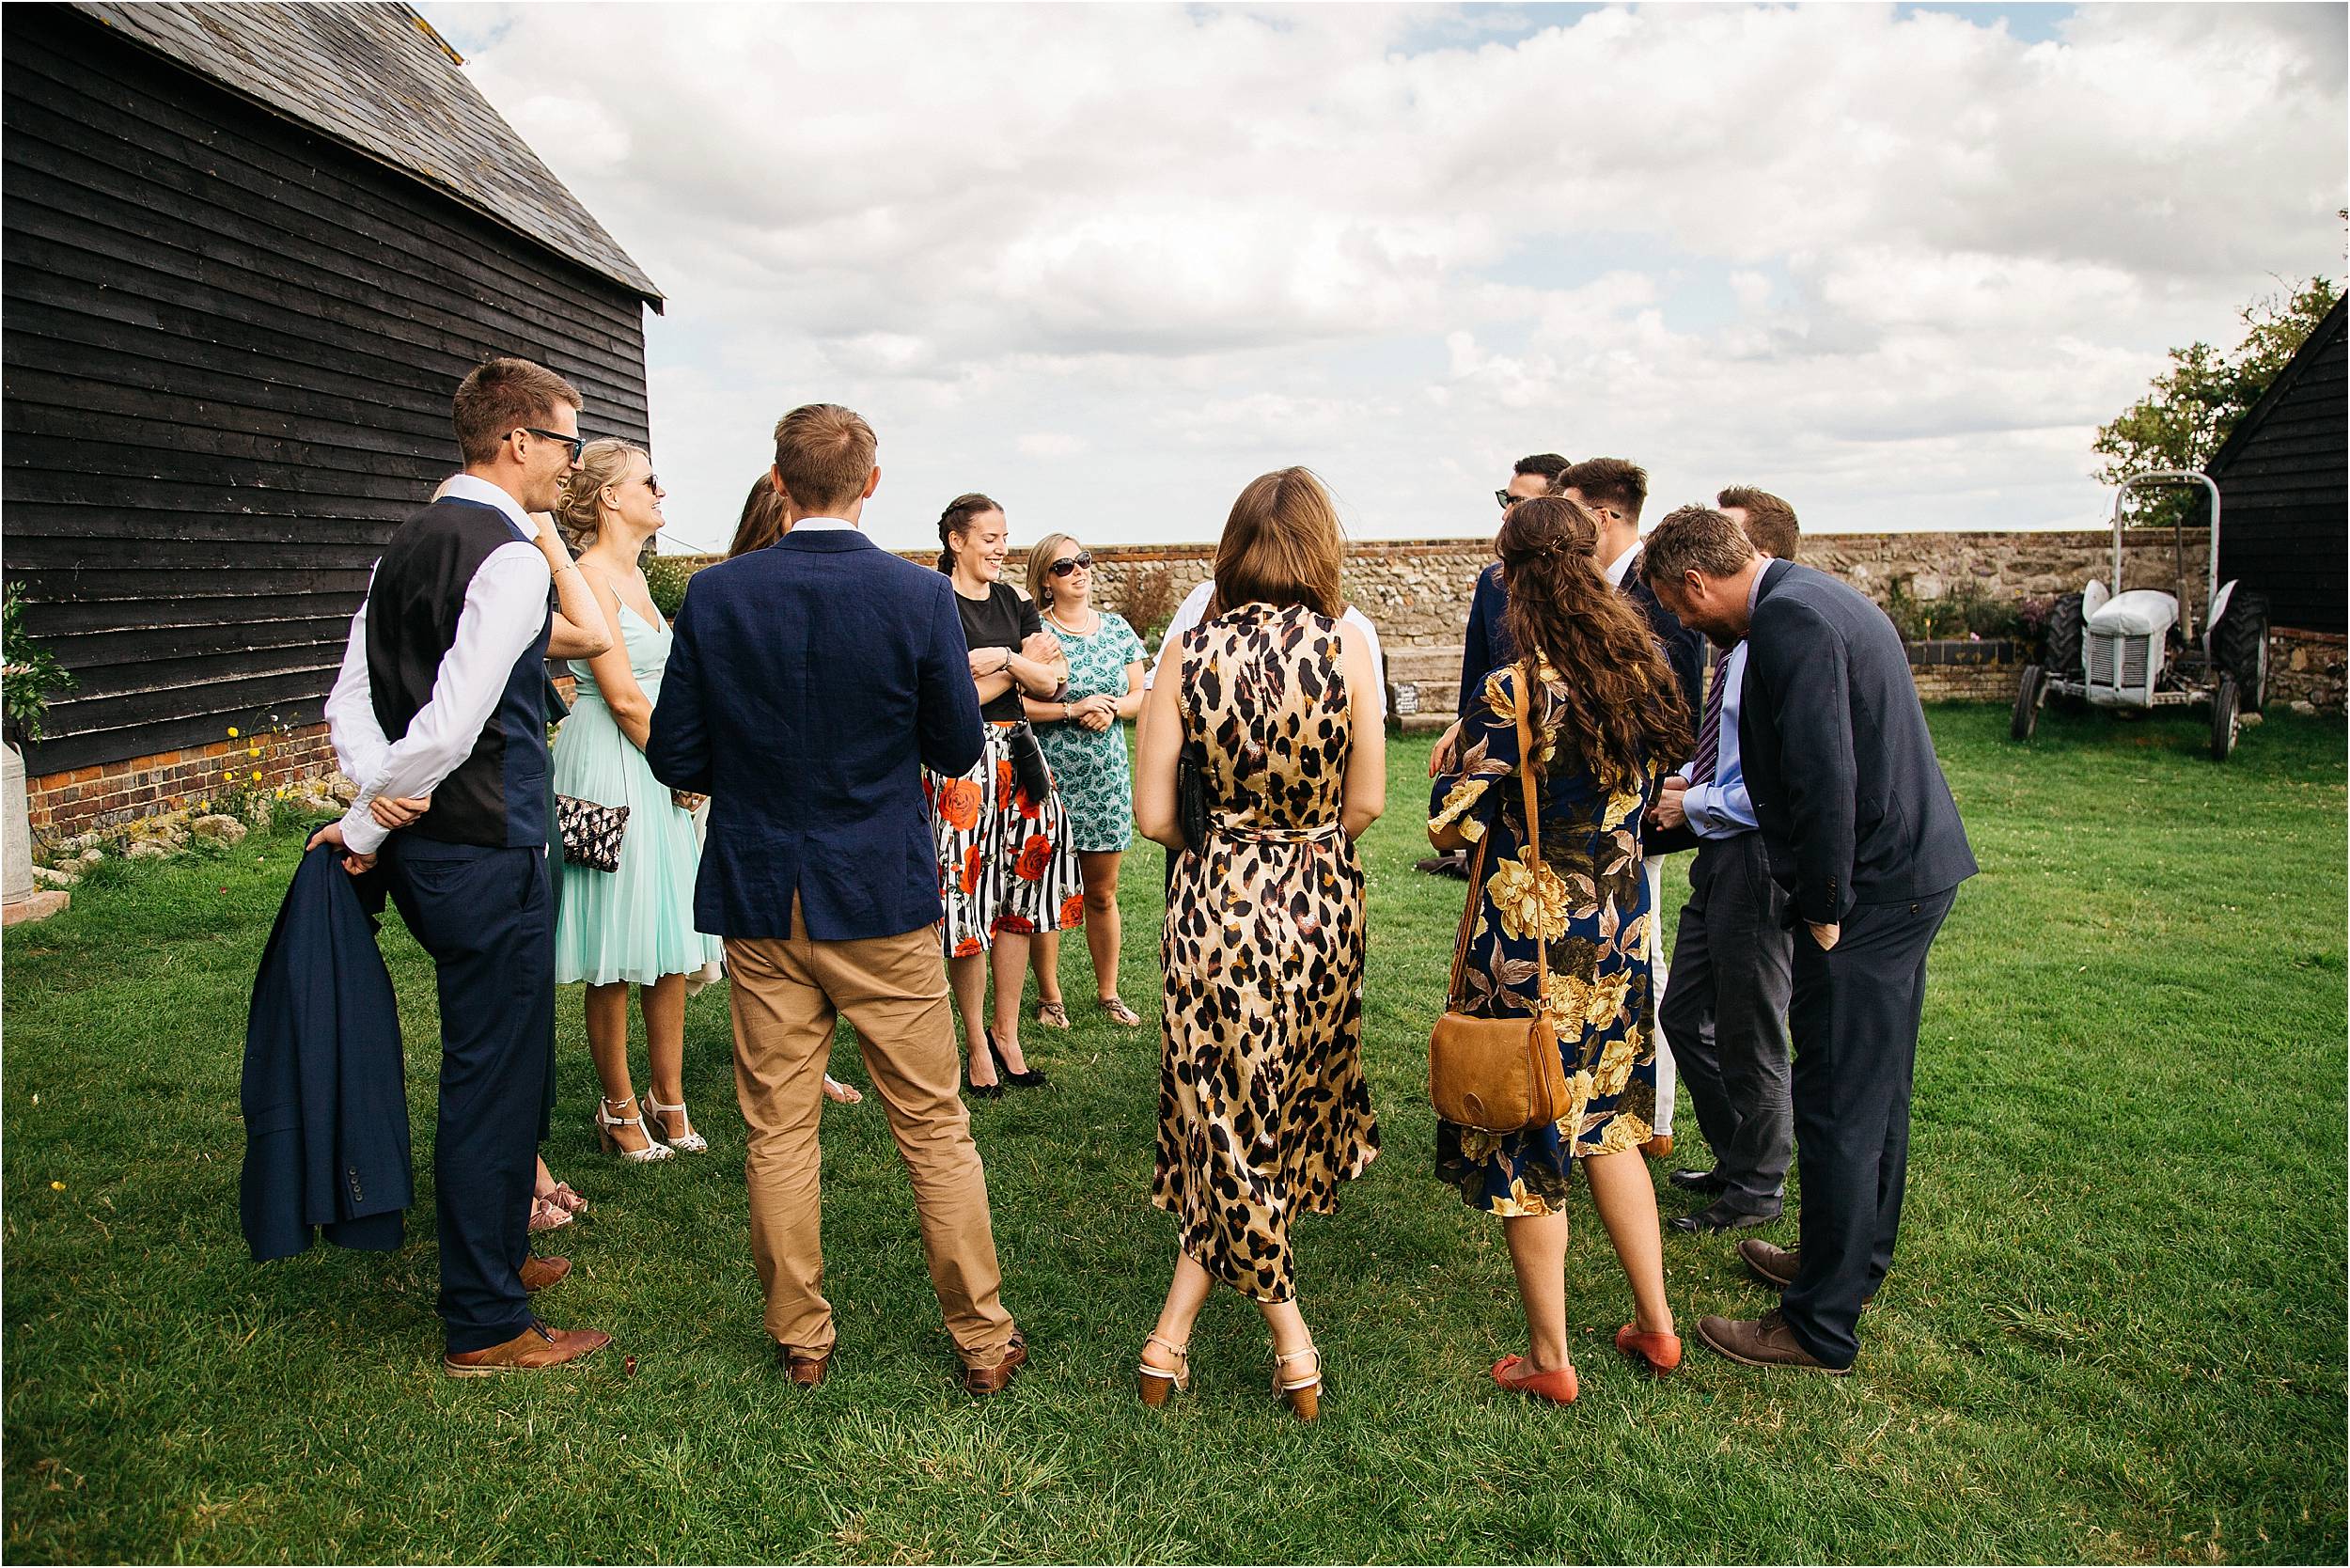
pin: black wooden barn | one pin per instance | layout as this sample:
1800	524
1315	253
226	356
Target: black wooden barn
249	252
2285	488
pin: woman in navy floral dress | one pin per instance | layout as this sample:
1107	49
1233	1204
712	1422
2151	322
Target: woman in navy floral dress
1603	713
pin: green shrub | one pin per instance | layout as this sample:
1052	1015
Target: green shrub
31	676
665	577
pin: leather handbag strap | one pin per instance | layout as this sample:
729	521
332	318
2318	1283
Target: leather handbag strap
1526	685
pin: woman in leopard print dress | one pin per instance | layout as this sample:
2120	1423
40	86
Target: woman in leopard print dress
1263	1107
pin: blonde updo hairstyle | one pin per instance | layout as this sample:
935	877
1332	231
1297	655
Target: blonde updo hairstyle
579	511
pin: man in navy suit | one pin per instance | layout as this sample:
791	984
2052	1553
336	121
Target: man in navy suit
1860	831
808	685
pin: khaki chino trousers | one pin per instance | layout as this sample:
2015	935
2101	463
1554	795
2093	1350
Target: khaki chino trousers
786	995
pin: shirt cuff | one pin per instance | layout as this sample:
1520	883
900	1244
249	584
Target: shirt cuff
361	833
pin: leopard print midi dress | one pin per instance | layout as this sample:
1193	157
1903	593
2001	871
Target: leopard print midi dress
1263	1106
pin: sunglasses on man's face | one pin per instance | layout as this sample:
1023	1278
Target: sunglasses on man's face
1068	564
578	444
1506	499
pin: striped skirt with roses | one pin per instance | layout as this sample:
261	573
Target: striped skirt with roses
1004	863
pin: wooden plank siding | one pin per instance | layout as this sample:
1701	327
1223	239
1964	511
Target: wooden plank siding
2285	488
228	347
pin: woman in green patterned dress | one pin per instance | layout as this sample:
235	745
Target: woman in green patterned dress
1086	744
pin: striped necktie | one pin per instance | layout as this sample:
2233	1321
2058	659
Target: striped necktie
1710	730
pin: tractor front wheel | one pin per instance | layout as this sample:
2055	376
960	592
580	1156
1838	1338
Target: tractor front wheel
2225	725
2029	692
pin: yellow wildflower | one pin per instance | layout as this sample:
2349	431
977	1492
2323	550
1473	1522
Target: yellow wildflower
232	731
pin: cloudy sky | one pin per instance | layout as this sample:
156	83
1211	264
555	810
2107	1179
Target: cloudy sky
1108	262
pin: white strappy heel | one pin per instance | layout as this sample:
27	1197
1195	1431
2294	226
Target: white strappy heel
1304	1394
653	1150
686	1142
1155	1383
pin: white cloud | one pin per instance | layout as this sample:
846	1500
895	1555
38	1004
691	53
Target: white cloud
1896	266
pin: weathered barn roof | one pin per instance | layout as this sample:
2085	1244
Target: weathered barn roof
376	77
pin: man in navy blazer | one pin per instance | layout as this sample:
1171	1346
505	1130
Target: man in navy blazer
1861	833
808	685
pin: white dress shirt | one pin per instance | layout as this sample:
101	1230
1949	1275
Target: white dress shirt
1722	808
1621	564
1195	608
505	605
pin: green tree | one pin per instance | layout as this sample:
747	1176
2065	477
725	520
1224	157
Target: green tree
2193	405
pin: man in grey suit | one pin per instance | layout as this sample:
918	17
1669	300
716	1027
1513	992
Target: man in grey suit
1864	839
1727	1010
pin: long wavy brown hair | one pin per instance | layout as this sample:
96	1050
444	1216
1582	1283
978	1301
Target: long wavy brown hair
1622	708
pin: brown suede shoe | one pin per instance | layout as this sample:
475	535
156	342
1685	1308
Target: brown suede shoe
1764	1342
979	1382
534	1349
806	1370
538	1273
1774	1266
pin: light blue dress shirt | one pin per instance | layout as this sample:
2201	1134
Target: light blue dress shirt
1722	808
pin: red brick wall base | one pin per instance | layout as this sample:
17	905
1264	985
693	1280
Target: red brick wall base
64	803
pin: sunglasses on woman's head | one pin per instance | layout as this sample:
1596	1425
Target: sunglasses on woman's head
1067	564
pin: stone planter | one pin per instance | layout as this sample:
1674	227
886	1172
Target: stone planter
1961	669
20	900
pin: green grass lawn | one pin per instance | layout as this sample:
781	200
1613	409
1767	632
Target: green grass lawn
2116	1330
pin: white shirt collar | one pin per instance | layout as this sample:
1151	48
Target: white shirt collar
821	525
1621	564
468	487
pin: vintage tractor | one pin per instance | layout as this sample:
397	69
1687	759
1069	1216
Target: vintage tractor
2138	649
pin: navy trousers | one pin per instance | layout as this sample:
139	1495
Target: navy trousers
1853	1015
486	916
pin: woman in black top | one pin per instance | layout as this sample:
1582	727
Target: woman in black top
1005	867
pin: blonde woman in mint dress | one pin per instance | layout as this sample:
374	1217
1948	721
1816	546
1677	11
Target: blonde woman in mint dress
634	925
1084	737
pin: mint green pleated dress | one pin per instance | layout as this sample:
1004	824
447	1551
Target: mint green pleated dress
635	923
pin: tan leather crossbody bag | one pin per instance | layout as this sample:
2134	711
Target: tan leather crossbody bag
1500	1075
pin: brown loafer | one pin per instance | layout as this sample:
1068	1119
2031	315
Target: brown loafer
979	1382
538	1273
806	1370
534	1349
1764	1341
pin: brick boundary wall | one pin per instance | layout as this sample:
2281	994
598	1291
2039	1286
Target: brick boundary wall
1416	592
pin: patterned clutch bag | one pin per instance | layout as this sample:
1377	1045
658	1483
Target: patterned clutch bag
591	833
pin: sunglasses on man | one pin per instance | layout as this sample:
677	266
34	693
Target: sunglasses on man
578	444
1506	499
1068	564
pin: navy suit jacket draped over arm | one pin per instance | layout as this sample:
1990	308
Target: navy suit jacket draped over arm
324	1100
808	684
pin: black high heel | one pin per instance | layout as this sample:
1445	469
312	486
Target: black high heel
1029	1079
996	1089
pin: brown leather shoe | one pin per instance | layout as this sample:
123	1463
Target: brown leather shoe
1774	1266
979	1382
1764	1341
534	1349
806	1370
1658	1148
538	1273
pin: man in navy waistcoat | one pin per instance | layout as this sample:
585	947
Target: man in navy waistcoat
439	718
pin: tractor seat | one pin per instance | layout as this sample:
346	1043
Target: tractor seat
2141	612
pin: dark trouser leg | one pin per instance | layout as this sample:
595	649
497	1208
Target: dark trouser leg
484	915
1855	1015
1753	954
1686	1011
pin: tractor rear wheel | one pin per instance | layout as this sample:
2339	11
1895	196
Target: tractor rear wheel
2028	694
2067	631
2224	724
2239	644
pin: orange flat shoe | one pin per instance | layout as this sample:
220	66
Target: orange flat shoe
1659	1353
1558	1387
